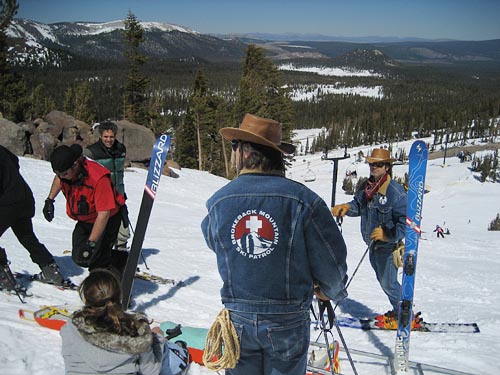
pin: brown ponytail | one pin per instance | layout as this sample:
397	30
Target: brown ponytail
102	295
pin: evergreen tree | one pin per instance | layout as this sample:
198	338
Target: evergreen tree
495	223
199	132
494	167
83	103
262	92
13	98
135	100
69	101
41	102
159	122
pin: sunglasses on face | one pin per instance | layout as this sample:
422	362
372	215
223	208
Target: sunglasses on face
66	172
234	144
376	165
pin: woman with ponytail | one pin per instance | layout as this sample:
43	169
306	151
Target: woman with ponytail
101	338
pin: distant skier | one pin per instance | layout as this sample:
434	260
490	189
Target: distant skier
439	231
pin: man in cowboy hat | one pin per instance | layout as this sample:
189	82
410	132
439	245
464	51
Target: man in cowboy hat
381	203
274	240
92	201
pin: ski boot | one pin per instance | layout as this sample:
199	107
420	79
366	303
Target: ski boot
390	321
51	274
391	314
7	280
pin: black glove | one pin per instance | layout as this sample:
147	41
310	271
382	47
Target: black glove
48	209
84	253
326	305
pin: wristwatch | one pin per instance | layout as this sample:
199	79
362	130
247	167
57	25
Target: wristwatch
91	243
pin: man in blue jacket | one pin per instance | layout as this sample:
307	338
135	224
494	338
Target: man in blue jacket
274	240
381	203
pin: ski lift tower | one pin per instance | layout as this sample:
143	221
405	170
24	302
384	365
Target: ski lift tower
335	169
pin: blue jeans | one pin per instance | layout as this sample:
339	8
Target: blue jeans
387	274
272	344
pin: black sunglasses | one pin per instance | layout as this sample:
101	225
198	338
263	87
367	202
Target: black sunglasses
66	172
234	144
377	165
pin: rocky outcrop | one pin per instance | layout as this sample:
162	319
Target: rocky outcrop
41	136
138	139
12	136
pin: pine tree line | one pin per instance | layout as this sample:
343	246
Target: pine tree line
198	142
487	166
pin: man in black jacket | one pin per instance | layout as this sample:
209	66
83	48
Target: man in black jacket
17	207
111	153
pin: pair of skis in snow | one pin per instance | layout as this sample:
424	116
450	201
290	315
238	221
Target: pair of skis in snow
416	189
423	326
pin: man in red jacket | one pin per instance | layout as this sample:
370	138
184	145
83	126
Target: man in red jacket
91	200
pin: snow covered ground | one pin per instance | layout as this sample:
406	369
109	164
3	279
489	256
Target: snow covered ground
457	277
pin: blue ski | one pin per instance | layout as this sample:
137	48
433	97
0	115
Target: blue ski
416	189
158	156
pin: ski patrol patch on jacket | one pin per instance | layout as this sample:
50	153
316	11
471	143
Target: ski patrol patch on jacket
254	234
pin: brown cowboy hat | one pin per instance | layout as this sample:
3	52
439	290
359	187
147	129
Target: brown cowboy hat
261	131
380	155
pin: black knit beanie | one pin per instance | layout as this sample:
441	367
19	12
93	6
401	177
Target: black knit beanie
63	157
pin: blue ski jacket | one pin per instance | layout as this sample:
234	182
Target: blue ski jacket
273	239
387	209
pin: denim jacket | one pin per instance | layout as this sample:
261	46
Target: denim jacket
273	239
386	209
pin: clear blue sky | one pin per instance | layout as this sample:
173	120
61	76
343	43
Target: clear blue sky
435	19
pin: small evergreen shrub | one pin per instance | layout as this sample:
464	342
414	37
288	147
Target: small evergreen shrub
347	185
495	224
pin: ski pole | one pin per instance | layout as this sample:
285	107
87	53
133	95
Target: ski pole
356	270
142	255
322	305
344	344
339	220
333	320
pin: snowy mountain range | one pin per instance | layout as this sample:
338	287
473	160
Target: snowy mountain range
34	43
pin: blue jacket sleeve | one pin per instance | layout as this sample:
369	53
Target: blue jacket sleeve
327	252
205	228
356	204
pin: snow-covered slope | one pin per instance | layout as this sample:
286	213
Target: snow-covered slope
457	277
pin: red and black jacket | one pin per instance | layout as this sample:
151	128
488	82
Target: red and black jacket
80	194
